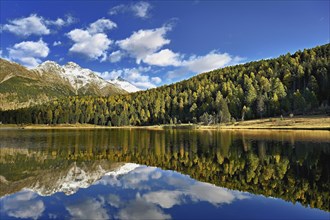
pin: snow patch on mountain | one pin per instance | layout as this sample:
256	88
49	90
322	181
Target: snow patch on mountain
126	168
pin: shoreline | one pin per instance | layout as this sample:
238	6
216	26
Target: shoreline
320	122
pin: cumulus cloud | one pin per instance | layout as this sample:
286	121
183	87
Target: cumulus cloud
34	25
29	52
116	56
200	64
88	209
140	209
156	80
182	188
101	25
145	42
164	198
145	46
164	57
89	45
196	192
114	74
59	22
57	43
92	42
139	9
27	26
114	200
210	61
23	205
176	189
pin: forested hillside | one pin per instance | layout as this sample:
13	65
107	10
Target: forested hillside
298	84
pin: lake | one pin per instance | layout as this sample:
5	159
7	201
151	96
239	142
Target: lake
164	174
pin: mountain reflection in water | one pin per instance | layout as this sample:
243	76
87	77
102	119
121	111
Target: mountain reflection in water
95	174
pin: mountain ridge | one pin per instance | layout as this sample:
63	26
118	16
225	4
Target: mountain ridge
22	87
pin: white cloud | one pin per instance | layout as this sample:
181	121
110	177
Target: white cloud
210	61
153	200
139	209
114	74
164	57
91	46
196	192
27	26
88	209
183	189
164	198
116	56
118	9
23	205
104	57
156	80
211	193
29	52
92	42
35	25
156	175
200	64
139	9
114	200
56	43
101	25
59	22
144	42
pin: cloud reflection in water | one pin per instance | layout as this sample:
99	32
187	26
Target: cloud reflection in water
140	193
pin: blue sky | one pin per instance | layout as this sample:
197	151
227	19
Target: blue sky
152	43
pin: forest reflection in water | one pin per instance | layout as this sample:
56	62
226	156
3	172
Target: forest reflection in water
293	166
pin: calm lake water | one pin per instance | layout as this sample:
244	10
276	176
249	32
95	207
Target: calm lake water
164	174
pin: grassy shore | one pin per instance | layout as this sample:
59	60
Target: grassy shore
319	122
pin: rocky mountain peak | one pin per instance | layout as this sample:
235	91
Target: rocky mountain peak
72	65
48	64
119	78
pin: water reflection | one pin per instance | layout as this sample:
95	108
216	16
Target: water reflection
292	167
24	204
132	191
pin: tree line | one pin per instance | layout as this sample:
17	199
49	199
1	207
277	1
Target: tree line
297	83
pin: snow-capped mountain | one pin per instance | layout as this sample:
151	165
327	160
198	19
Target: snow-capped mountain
79	78
23	87
67	178
122	83
77	177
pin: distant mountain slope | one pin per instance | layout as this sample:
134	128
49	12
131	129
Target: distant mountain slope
20	87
